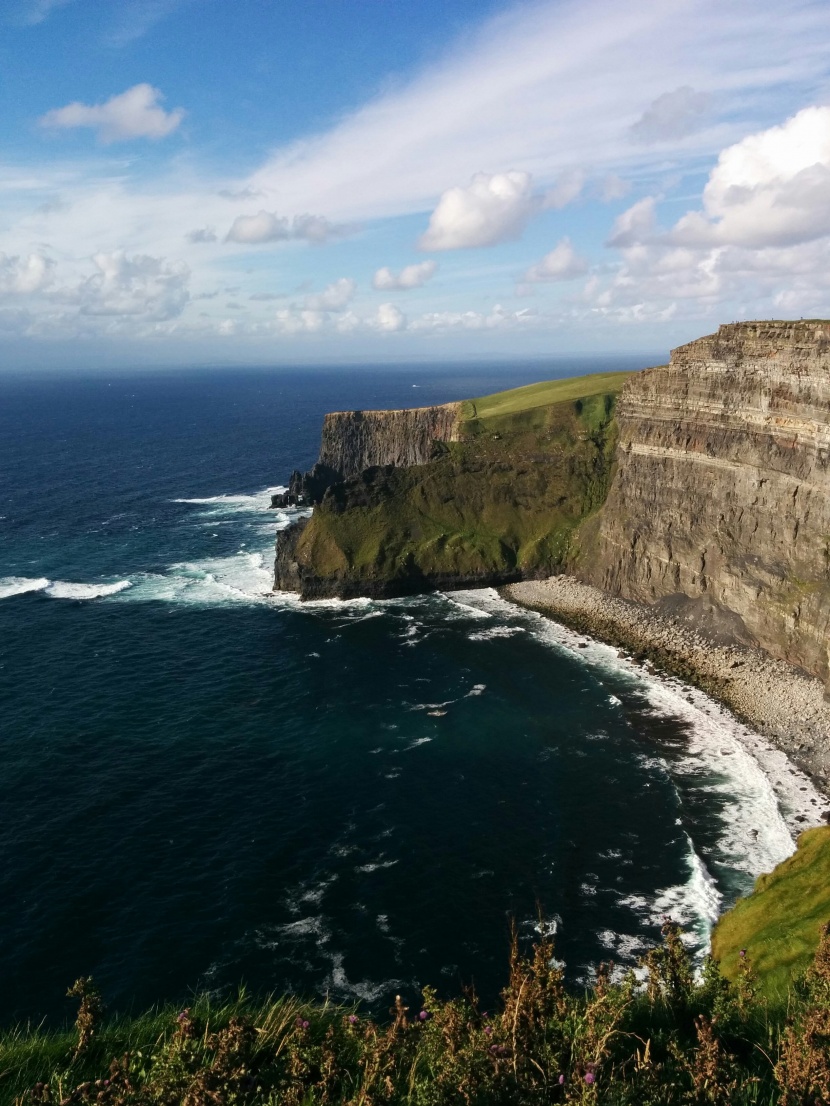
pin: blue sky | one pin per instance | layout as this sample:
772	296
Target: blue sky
263	181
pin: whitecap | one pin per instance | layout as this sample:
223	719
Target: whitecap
19	585
61	589
376	865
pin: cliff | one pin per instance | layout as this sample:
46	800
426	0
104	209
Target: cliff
352	441
480	493
720	507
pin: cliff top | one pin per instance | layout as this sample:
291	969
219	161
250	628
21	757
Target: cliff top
516	400
764	337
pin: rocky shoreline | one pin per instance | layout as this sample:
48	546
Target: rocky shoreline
775	699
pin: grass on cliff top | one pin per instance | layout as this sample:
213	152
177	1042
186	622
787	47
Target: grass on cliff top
779	923
516	400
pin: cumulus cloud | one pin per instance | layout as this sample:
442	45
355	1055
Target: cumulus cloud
201	234
291	321
489	210
132	114
266	226
770	189
672	116
635	225
566	189
24	276
388	318
334	297
562	263
150	287
411	276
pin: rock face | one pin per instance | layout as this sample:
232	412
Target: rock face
720	507
356	440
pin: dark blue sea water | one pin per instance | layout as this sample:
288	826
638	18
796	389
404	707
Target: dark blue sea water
203	785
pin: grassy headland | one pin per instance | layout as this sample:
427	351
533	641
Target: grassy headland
501	503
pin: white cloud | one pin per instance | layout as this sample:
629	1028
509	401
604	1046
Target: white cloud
201	234
291	321
150	287
24	276
565	189
489	210
388	318
137	18
262	227
672	116
266	226
635	225
411	276
334	297
496	319
770	189
562	263
132	114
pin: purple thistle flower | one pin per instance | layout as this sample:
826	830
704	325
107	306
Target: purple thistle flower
590	1077
561	1080
305	1025
183	1016
423	1015
353	1019
488	1029
743	953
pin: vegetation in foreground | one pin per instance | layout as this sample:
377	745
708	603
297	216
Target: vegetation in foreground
777	924
674	1040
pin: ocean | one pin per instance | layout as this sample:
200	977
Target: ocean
205	785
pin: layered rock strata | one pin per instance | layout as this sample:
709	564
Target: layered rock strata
720	507
356	440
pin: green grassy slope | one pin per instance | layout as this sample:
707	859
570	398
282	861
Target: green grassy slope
501	503
545	393
779	923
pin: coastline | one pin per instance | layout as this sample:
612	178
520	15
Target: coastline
771	697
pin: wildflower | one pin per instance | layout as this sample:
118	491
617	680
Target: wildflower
590	1077
488	1029
494	1049
561	1080
183	1017
743	953
423	1015
353	1019
305	1025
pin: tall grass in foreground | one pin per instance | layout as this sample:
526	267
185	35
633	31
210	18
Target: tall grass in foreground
675	1039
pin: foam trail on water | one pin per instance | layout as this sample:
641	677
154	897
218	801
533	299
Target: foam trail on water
61	589
19	585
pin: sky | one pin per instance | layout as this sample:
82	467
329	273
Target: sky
293	181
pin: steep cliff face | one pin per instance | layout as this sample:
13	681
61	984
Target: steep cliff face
356	440
720	507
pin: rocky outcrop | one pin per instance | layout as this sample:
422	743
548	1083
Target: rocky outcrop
720	507
356	440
